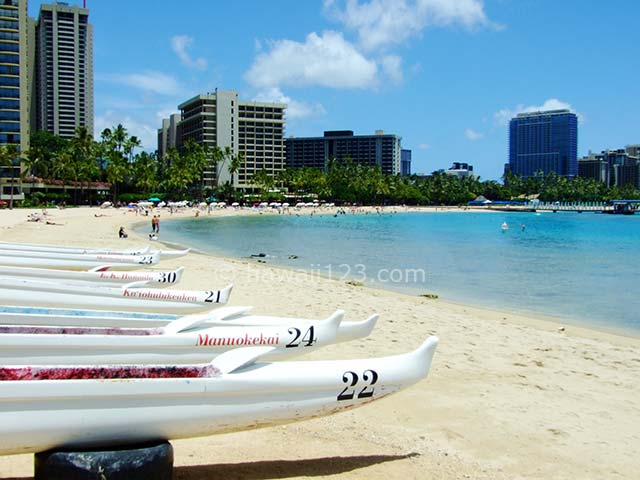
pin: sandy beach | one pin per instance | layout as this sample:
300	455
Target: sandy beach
509	397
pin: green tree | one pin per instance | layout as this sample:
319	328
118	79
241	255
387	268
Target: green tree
145	171
264	180
84	152
9	158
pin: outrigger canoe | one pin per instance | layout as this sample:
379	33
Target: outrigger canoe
41	247
36	247
20	291
43	408
187	340
76	261
223	317
82	317
97	275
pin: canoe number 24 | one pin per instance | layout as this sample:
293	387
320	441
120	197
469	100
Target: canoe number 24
306	340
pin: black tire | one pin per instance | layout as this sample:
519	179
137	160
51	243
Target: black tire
134	462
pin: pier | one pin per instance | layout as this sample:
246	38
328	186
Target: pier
621	207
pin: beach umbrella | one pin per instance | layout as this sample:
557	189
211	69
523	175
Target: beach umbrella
154	199
285	204
235	204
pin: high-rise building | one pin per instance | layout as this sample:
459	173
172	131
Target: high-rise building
14	91
405	162
633	150
253	130
64	72
168	134
380	149
615	168
544	142
461	170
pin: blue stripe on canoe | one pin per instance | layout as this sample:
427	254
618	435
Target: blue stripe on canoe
84	313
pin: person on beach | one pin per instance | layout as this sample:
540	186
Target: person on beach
122	233
153	224
158	224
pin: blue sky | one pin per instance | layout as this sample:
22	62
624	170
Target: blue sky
445	75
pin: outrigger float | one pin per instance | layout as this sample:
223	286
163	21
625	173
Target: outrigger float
76	407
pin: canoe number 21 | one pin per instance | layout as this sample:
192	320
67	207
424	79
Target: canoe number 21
369	379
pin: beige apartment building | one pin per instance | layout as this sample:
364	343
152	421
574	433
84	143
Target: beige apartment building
64	69
252	129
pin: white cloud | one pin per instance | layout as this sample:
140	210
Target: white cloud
392	67
473	135
381	23
295	109
424	146
180	44
503	116
147	134
326	60
148	81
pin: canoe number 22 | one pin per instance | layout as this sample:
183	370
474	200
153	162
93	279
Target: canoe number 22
369	379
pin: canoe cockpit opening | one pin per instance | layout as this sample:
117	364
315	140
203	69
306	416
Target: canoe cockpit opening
54	330
115	372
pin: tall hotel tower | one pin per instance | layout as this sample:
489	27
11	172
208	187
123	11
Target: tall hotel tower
14	89
253	129
544	142
64	73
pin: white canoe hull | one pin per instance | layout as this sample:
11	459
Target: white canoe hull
41	247
79	262
36	247
223	316
34	345
99	275
37	415
18	291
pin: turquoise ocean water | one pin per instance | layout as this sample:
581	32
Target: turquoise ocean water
583	268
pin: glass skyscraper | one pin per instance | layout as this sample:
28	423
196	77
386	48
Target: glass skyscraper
544	142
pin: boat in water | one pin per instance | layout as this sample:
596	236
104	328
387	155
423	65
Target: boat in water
75	407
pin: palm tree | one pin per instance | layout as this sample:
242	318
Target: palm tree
145	167
83	153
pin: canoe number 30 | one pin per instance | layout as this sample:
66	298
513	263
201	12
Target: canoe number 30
306	340
369	379
168	277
